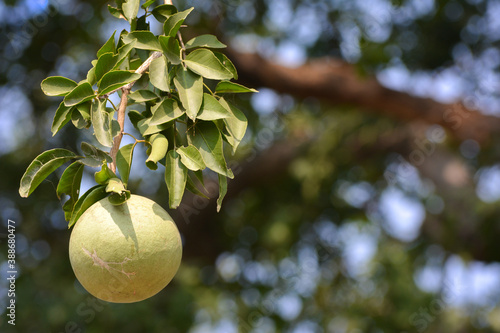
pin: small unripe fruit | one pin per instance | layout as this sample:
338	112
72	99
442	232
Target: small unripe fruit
125	253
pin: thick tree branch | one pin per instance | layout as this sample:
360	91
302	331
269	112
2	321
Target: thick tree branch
337	83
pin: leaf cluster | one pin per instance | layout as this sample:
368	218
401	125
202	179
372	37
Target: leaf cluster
180	113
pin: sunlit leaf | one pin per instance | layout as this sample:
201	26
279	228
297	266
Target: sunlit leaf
163	12
206	64
123	53
124	162
61	117
81	93
166	111
174	22
236	125
147	4
209	41
42	166
171	48
224	87
116	79
191	187
70	184
145	128
89	198
146	40
143	95
101	121
159	147
228	64
105	63
109	46
190	88
191	158
207	139
130	9
211	109
222	191
104	175
57	86
175	178
158	73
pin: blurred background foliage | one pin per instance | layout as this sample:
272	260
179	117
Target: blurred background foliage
329	225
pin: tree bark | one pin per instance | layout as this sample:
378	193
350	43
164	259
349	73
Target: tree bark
338	83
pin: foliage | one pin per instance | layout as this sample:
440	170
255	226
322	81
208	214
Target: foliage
184	123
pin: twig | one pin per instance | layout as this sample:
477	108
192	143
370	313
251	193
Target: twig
121	120
141	70
123	106
124	100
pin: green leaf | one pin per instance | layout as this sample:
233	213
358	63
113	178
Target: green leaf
115	12
119	198
191	158
135	117
94	156
78	120
57	86
89	198
222	191
207	138
101	121
159	147
174	22
205	63
227	64
81	93
42	166
116	79
190	88
146	40
70	184
175	177
147	4
61	117
209	41
145	128
105	63
143	95
211	109
163	12
115	185
165	111
84	110
158	73
103	176
224	87
236	125
91	79
171	48
109	46
124	161
191	187
130	9
123	53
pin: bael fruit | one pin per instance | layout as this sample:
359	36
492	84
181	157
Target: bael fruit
125	253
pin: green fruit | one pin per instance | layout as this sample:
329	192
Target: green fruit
125	253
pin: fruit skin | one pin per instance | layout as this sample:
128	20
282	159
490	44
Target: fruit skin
125	253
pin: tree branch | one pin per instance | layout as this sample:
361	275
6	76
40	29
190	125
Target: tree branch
123	106
338	83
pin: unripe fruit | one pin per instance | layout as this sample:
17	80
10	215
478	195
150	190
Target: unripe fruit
125	253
